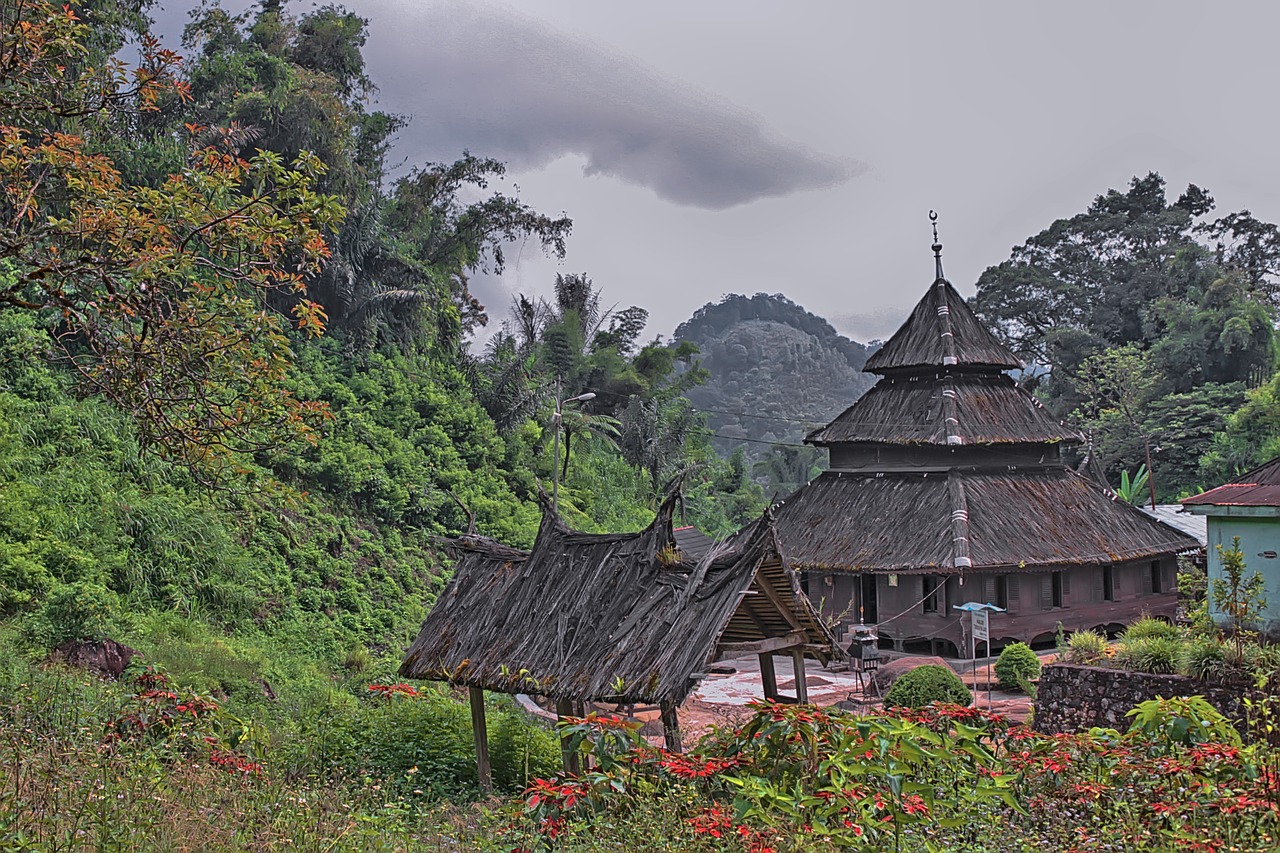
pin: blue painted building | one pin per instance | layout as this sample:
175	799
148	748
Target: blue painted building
1247	507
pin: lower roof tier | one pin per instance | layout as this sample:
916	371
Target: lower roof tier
948	521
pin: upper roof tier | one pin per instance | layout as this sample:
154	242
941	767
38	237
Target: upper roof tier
942	331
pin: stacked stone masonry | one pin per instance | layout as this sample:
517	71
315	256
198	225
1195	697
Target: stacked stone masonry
1076	698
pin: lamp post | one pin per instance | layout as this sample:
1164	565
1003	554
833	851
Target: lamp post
555	471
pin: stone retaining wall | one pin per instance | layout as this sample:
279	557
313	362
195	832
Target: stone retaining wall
1073	698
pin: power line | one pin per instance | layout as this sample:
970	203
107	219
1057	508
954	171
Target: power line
752	440
759	417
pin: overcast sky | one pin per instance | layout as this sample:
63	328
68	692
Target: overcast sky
705	148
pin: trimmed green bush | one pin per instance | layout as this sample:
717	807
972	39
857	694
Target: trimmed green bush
1017	666
925	685
1085	648
1149	626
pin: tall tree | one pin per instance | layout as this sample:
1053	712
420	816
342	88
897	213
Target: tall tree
1110	276
158	295
1136	282
452	239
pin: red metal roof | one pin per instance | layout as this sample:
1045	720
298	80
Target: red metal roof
1259	487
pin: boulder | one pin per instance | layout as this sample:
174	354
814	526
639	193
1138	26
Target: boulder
106	658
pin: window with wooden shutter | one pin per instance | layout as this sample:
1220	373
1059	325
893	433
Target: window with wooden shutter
1066	586
929	588
1046	592
1148	585
1098	590
1110	589
1013	593
989	590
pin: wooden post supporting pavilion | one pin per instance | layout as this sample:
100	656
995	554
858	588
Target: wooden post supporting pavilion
572	764
480	730
671	727
802	686
767	677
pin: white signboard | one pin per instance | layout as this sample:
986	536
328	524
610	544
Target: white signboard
980	631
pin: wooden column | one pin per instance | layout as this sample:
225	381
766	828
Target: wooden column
584	761
802	687
481	732
767	677
565	708
671	728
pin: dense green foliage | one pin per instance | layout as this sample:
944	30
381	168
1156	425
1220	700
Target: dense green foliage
1017	666
328	550
155	764
796	779
1144	321
282	595
925	685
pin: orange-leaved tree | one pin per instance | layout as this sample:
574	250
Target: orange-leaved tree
160	296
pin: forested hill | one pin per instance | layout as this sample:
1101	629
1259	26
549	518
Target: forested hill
775	371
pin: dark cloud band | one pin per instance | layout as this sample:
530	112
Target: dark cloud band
506	86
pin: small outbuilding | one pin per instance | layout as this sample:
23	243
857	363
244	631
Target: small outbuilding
1249	508
627	618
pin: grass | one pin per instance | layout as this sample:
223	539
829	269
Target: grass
153	763
87	764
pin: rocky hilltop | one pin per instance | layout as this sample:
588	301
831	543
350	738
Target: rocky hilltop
777	371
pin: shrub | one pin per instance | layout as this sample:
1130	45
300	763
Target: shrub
521	750
925	685
1184	720
1157	655
1085	647
83	610
1149	626
1202	659
1017	665
424	739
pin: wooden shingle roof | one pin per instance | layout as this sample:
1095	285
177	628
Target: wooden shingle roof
965	518
985	408
942	331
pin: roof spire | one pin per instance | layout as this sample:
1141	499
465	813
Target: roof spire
937	247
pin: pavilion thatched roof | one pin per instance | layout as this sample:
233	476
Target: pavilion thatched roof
616	617
942	522
942	331
988	408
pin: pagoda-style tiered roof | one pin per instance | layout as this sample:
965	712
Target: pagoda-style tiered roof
946	464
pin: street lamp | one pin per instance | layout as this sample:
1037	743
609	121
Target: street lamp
555	471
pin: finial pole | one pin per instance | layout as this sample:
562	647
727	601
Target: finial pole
937	247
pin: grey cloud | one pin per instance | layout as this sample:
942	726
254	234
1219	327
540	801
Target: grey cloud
506	86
